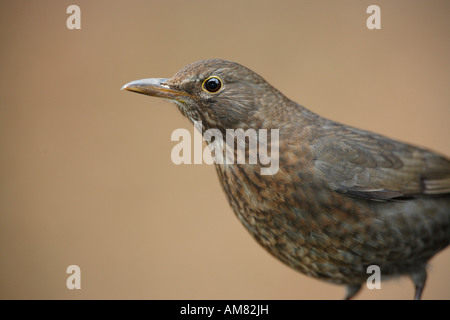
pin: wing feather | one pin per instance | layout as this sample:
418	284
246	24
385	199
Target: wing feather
367	165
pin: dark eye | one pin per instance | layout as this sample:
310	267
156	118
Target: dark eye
212	84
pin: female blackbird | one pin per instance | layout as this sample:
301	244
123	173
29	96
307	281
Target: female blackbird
343	199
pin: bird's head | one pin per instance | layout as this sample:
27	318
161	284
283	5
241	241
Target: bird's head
221	94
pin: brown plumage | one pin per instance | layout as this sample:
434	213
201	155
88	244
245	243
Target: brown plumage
342	199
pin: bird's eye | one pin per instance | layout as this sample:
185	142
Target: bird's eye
212	84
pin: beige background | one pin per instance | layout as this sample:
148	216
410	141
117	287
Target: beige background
86	175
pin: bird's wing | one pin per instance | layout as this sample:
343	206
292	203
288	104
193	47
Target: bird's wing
366	165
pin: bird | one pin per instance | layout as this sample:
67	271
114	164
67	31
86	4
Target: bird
342	199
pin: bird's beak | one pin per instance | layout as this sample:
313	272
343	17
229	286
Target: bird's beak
155	87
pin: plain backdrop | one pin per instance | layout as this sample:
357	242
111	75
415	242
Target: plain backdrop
86	173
